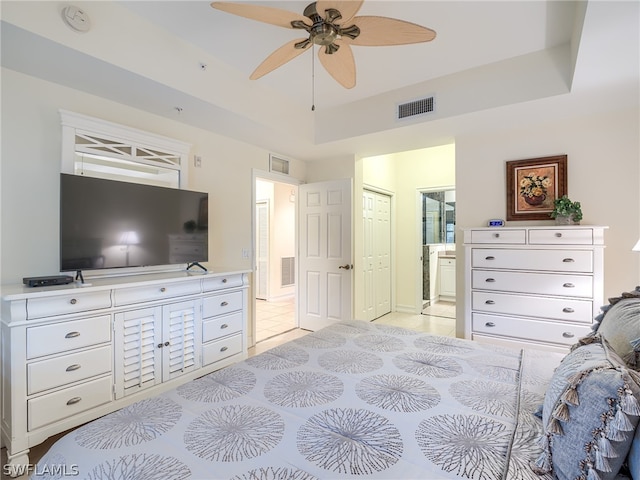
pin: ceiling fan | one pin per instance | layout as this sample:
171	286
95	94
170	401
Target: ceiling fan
333	26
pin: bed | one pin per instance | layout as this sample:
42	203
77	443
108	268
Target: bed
360	399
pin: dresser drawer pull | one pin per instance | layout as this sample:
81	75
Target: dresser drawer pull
568	335
165	344
72	335
224	304
496	235
74	400
163	289
490	280
224	349
568	260
568	310
73	301
73	367
490	302
224	325
224	280
568	285
558	234
489	324
490	258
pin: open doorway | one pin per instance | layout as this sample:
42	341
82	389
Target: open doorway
275	256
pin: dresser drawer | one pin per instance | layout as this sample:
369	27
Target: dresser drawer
64	304
55	406
217	350
221	326
558	333
221	304
530	306
560	236
499	236
564	285
210	284
547	260
63	336
128	296
55	372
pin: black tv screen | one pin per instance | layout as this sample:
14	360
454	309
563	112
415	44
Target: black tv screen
113	224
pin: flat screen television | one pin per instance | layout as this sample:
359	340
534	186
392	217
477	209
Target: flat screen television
112	224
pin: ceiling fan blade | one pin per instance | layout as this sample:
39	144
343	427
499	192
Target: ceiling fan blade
282	55
380	31
274	16
348	8
340	64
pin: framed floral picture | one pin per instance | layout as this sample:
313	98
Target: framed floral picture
533	185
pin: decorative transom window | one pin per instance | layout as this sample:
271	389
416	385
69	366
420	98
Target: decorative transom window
97	148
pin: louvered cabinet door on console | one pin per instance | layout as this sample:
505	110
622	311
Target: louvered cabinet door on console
535	287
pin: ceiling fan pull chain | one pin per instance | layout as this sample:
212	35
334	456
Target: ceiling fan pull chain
313	77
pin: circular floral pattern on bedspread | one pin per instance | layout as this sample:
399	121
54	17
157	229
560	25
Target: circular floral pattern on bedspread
426	364
219	386
499	368
379	343
321	339
395	330
438	344
348	361
279	358
138	423
470	446
397	393
352	327
488	397
234	433
273	473
141	466
350	441
524	451
303	389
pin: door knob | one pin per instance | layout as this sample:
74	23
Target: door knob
346	267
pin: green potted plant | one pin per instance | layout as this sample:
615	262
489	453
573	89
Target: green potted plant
566	212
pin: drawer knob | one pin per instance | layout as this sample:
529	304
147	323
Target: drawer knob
496	235
163	289
72	335
224	325
490	258
489	324
224	280
568	285
160	345
558	234
73	301
568	310
73	367
224	304
224	349
490	302
166	344
490	280
74	400
568	260
568	335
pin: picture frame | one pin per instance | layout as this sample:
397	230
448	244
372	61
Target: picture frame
533	185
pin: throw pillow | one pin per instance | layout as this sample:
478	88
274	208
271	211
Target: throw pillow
589	414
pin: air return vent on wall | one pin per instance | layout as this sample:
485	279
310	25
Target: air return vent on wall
416	107
279	165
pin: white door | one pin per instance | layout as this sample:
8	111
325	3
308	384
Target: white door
368	255
382	243
325	265
262	250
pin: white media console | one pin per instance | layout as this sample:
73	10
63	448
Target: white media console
73	353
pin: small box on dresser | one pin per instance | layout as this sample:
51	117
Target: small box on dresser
537	287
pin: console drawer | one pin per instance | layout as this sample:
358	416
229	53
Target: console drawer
221	304
499	236
63	336
580	261
535	283
222	281
560	236
557	333
55	406
64	304
55	372
223	348
574	310
221	326
128	296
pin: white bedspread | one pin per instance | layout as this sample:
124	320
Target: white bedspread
355	399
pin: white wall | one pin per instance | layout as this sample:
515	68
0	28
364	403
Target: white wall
31	151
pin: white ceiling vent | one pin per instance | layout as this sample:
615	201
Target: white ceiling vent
416	107
278	165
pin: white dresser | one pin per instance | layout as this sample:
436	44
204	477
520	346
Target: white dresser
73	353
535	287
